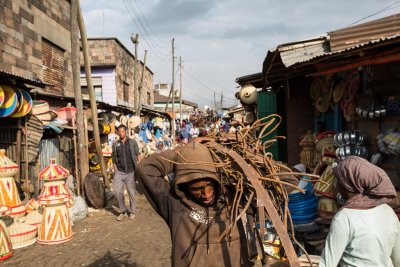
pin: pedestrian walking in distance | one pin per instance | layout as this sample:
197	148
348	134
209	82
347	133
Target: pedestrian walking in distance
124	155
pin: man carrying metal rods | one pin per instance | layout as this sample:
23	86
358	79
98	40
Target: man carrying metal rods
196	208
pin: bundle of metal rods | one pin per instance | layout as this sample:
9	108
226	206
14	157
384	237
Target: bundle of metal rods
245	165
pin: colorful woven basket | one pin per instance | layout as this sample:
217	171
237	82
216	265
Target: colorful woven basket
53	172
40	107
5	243
21	234
34	218
26	105
10	102
8	168
1	96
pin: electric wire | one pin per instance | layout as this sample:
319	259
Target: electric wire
388	7
148	24
144	38
148	35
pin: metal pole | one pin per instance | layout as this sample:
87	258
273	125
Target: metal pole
92	96
135	41
83	162
180	89
173	90
141	84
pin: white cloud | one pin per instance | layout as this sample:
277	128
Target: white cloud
220	40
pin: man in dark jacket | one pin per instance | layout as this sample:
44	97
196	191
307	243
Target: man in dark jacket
124	156
194	208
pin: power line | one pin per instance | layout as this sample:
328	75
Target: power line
200	82
207	76
139	20
388	7
144	38
148	24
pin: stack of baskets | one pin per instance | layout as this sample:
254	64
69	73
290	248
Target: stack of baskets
55	227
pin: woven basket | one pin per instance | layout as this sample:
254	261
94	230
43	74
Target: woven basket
34	218
53	172
21	234
8	168
40	107
5	243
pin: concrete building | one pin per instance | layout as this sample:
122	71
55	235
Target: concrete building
188	107
112	74
35	42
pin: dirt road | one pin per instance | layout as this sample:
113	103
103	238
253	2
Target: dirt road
100	240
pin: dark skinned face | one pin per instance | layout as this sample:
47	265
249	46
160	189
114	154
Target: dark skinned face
202	191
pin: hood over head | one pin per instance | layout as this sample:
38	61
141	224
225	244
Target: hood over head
190	168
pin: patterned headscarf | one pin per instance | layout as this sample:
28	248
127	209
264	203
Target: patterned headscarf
370	183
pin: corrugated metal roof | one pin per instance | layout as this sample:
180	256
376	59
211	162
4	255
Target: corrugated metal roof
293	53
164	99
374	42
36	82
364	33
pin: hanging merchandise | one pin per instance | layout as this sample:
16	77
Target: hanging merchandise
350	143
322	103
67	113
389	142
9	195
2	96
6	250
25	105
42	111
10	102
307	153
373	110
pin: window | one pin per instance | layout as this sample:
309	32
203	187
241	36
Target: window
53	66
98	88
126	92
148	98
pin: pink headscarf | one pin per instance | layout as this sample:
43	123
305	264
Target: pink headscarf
370	183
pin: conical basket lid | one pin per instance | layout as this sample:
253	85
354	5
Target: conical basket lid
8	168
53	172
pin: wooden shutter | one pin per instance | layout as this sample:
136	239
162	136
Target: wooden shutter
53	67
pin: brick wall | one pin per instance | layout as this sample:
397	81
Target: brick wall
299	117
23	26
110	52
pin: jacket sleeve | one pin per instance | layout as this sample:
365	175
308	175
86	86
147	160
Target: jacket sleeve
114	153
150	173
135	148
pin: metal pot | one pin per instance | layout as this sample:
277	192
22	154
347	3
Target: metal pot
377	113
346	137
353	137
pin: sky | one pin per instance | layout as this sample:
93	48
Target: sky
220	40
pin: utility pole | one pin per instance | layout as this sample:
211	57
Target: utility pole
215	106
141	84
180	89
222	96
83	164
135	41
173	89
92	96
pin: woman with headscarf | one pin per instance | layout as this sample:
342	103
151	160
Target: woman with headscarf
365	232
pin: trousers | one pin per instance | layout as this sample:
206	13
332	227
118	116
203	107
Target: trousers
127	179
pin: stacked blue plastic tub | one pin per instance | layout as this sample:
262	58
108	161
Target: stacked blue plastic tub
303	206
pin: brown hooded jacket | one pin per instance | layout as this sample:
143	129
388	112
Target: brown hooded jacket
194	229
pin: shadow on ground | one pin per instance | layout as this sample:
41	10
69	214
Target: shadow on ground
109	259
